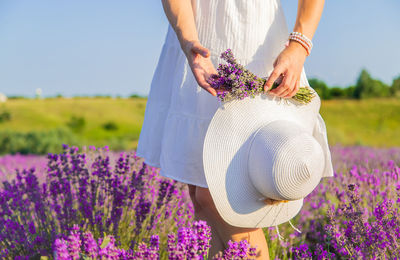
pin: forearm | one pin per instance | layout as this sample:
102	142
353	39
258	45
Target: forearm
308	16
180	16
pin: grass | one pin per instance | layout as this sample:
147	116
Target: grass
43	114
371	122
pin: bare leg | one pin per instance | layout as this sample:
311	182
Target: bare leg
226	232
217	244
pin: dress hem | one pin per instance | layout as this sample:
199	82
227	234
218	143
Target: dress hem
162	172
147	161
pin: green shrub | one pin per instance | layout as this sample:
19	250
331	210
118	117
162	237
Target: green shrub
349	91
368	87
337	92
136	96
321	88
5	116
395	88
16	97
35	142
110	126
76	123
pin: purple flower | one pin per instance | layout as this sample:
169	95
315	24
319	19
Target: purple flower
74	243
302	252
90	245
238	250
234	81
61	249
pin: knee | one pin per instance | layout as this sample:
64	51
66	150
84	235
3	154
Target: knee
203	197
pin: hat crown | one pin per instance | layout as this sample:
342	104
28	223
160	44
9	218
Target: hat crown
285	161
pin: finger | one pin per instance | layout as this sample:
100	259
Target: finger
296	88
291	85
205	85
200	49
289	89
273	77
283	87
275	62
211	90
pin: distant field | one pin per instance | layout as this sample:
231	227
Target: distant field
374	122
126	114
371	122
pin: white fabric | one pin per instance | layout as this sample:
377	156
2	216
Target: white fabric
178	111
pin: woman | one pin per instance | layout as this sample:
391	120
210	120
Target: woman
181	103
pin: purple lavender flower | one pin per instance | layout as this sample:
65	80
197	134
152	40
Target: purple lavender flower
88	192
74	243
353	215
90	245
234	81
238	250
302	252
61	249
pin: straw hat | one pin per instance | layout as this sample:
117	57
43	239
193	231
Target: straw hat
263	147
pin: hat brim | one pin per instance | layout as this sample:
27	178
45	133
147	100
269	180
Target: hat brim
225	152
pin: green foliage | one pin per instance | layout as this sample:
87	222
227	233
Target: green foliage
76	123
136	96
320	87
5	116
35	142
16	97
395	88
337	92
110	126
367	87
349	91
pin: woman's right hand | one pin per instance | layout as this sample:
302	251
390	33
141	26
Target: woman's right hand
199	60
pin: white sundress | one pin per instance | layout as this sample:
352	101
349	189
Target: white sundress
178	110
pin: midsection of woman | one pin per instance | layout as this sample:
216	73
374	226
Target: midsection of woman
178	110
255	30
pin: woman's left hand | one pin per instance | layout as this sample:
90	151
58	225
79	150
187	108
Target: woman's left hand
289	64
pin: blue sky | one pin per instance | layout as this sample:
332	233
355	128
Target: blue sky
112	47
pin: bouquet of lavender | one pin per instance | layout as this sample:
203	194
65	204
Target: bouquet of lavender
233	81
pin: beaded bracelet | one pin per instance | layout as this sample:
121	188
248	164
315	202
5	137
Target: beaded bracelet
303	37
304	44
300	40
303	40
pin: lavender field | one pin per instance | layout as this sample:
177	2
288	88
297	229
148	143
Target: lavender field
99	204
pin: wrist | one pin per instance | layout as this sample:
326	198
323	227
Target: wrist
301	39
187	44
297	47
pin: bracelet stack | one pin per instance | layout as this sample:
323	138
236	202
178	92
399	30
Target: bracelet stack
303	40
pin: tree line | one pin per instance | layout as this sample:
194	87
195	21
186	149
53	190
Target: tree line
365	87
